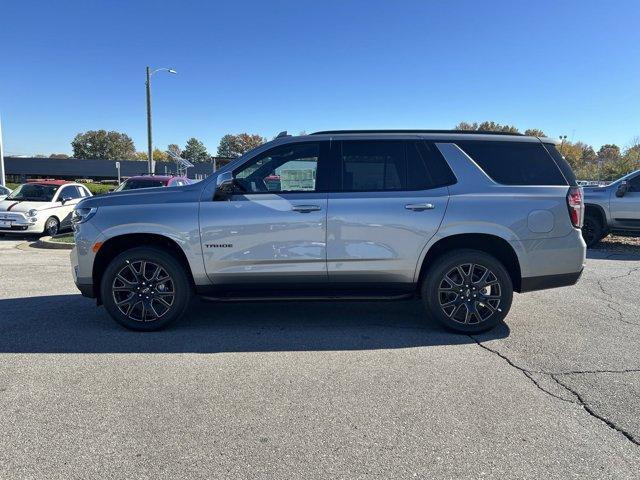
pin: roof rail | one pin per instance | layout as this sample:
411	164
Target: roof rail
468	132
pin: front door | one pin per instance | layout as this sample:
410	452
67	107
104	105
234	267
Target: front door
391	197
273	228
625	210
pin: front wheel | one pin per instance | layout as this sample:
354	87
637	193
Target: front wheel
145	289
51	226
468	291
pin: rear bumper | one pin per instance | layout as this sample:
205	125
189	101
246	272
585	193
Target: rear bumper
530	284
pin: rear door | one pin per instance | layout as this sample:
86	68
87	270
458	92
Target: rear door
389	200
273	228
625	210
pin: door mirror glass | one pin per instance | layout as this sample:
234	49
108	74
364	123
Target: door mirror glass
65	199
622	189
224	186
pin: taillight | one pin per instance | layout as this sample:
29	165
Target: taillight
575	202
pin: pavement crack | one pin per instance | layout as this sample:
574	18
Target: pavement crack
554	376
582	372
527	373
595	414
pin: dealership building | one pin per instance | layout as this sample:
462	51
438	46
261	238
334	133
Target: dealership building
21	169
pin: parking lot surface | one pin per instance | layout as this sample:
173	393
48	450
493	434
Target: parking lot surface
318	390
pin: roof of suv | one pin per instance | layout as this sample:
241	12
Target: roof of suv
442	134
467	132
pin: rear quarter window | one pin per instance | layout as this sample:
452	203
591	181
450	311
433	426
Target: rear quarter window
515	163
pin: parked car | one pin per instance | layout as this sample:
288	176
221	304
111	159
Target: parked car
42	206
613	208
152	181
4	191
461	220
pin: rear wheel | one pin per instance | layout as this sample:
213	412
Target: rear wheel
145	289
467	291
592	230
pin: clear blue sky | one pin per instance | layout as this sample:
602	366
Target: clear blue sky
566	67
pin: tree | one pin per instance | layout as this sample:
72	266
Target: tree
232	146
172	147
141	156
195	151
486	127
100	144
534	132
160	155
59	155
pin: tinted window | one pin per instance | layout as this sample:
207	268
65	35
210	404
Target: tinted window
289	168
393	165
71	192
372	166
562	163
514	163
634	184
427	167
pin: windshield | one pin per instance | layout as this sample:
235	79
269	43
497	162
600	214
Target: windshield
34	192
133	184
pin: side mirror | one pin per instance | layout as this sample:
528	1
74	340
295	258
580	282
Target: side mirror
622	189
65	200
110	190
224	186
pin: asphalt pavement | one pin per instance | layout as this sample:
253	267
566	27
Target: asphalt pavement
318	390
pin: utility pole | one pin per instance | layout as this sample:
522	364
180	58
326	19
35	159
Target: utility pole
1	157
149	137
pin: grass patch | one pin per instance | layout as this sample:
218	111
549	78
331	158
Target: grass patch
64	238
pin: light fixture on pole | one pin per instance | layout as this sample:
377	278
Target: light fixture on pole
149	136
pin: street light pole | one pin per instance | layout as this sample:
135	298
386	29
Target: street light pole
149	136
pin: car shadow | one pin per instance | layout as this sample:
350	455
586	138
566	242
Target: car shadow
73	324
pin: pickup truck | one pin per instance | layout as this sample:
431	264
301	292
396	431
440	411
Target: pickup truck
614	208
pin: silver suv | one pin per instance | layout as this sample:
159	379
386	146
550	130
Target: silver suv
461	220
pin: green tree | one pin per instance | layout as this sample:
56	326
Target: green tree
195	151
232	146
534	132
486	127
172	147
160	155
141	156
100	144
59	155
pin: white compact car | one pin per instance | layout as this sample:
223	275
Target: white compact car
42	206
4	191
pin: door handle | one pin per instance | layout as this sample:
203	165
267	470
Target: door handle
305	208
419	206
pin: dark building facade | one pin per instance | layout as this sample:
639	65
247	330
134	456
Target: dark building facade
21	169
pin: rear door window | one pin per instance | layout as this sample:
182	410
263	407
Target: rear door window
390	165
514	163
562	163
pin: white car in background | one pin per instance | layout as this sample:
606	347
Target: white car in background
40	206
4	191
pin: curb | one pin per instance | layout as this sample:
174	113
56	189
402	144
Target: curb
45	242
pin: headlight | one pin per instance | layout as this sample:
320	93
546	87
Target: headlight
81	215
32	213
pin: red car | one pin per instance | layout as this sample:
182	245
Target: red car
151	181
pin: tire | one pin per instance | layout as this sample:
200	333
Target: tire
132	276
592	230
472	307
51	226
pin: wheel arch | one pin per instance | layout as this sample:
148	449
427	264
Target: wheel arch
494	245
595	209
120	243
